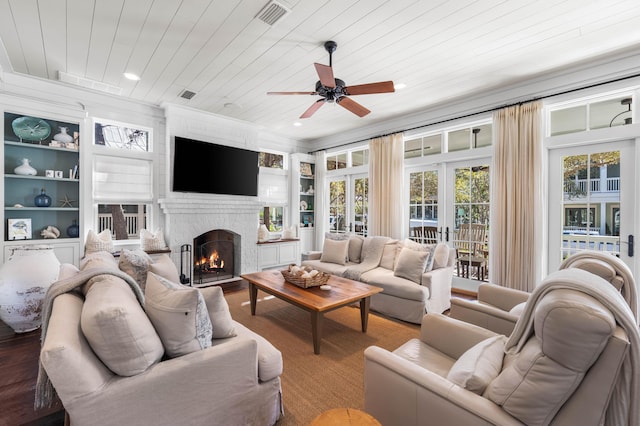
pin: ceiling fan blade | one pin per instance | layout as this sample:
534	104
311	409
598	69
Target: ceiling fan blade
313	108
353	106
371	88
325	72
292	93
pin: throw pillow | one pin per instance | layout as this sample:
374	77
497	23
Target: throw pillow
336	236
335	251
219	314
355	248
440	256
421	247
117	328
411	264
135	263
389	254
179	315
479	365
152	241
518	309
165	267
98	242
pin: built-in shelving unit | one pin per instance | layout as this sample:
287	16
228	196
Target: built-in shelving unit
304	198
55	159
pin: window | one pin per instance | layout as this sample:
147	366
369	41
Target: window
124	221
360	158
271	160
470	138
122	179
336	162
423	205
121	136
272	217
591	114
457	140
423	146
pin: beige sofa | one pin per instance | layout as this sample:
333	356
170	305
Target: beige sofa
234	380
408	291
572	348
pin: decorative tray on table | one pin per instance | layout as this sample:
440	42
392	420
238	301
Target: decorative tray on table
304	276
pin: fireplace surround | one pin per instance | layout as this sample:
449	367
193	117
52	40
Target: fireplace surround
216	253
189	215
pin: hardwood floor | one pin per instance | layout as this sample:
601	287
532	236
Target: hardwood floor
19	370
18	374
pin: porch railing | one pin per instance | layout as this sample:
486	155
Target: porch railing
105	221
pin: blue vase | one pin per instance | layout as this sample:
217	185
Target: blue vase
42	200
73	231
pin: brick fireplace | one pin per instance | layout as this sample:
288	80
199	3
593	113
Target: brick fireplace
187	216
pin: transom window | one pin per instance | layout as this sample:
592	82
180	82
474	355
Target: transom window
121	136
591	114
448	141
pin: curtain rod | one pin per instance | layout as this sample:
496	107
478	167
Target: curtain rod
471	114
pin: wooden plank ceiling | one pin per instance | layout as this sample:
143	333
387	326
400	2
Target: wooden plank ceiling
218	49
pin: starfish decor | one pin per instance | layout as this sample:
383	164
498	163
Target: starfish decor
66	202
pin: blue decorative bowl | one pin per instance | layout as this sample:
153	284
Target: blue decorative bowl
31	128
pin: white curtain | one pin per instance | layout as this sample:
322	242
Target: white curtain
517	199
321	206
386	173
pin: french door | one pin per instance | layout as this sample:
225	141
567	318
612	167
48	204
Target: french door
349	204
592	201
468	204
450	203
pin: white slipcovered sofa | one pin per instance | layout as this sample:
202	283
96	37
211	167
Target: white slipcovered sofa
112	361
415	278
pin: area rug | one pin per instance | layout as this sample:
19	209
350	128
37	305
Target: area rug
312	384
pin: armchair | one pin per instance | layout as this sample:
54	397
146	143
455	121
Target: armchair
560	369
498	308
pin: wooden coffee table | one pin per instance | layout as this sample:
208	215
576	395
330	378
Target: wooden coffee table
314	300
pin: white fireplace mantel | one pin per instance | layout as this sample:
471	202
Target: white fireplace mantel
188	215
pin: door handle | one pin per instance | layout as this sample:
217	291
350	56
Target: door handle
630	245
446	234
440	233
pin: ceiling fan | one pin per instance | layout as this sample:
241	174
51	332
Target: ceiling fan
333	89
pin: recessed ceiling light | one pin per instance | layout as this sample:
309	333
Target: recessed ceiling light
399	86
131	76
297	124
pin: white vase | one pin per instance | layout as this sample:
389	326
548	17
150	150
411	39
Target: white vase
24	280
263	234
25	169
63	136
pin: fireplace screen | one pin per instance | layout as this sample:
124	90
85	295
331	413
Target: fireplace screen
215	256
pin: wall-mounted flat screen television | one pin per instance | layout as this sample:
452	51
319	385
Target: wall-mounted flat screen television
214	169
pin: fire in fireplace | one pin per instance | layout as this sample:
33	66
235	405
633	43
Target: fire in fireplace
215	255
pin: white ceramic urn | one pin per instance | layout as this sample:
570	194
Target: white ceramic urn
63	136
25	168
24	280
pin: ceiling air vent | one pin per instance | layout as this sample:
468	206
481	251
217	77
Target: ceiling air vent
187	94
272	13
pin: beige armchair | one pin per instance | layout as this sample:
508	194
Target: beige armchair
561	368
497	308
